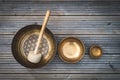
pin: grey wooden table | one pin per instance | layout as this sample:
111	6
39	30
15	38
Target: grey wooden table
93	21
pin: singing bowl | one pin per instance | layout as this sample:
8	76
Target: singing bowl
71	50
95	51
21	38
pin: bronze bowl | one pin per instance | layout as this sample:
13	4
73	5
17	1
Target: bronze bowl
24	41
71	50
95	51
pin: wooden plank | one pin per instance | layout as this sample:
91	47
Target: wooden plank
64	24
66	76
61	78
115	66
54	0
61	18
59	8
105	59
60	71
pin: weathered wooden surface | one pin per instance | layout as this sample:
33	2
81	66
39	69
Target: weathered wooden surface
93	21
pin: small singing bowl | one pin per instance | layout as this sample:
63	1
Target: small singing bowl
71	50
95	51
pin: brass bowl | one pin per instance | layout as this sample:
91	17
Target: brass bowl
24	41
95	51
71	50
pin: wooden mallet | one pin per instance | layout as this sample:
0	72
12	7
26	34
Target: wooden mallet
33	56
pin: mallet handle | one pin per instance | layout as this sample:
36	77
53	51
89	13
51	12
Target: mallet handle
42	31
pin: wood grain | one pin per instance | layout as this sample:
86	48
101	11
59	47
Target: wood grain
92	21
60	7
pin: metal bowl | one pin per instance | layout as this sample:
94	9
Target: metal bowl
24	41
95	51
71	50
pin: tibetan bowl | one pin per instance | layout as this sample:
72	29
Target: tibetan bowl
71	50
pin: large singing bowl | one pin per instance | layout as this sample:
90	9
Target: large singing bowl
24	41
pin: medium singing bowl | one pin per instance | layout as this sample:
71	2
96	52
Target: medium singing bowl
71	50
24	41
